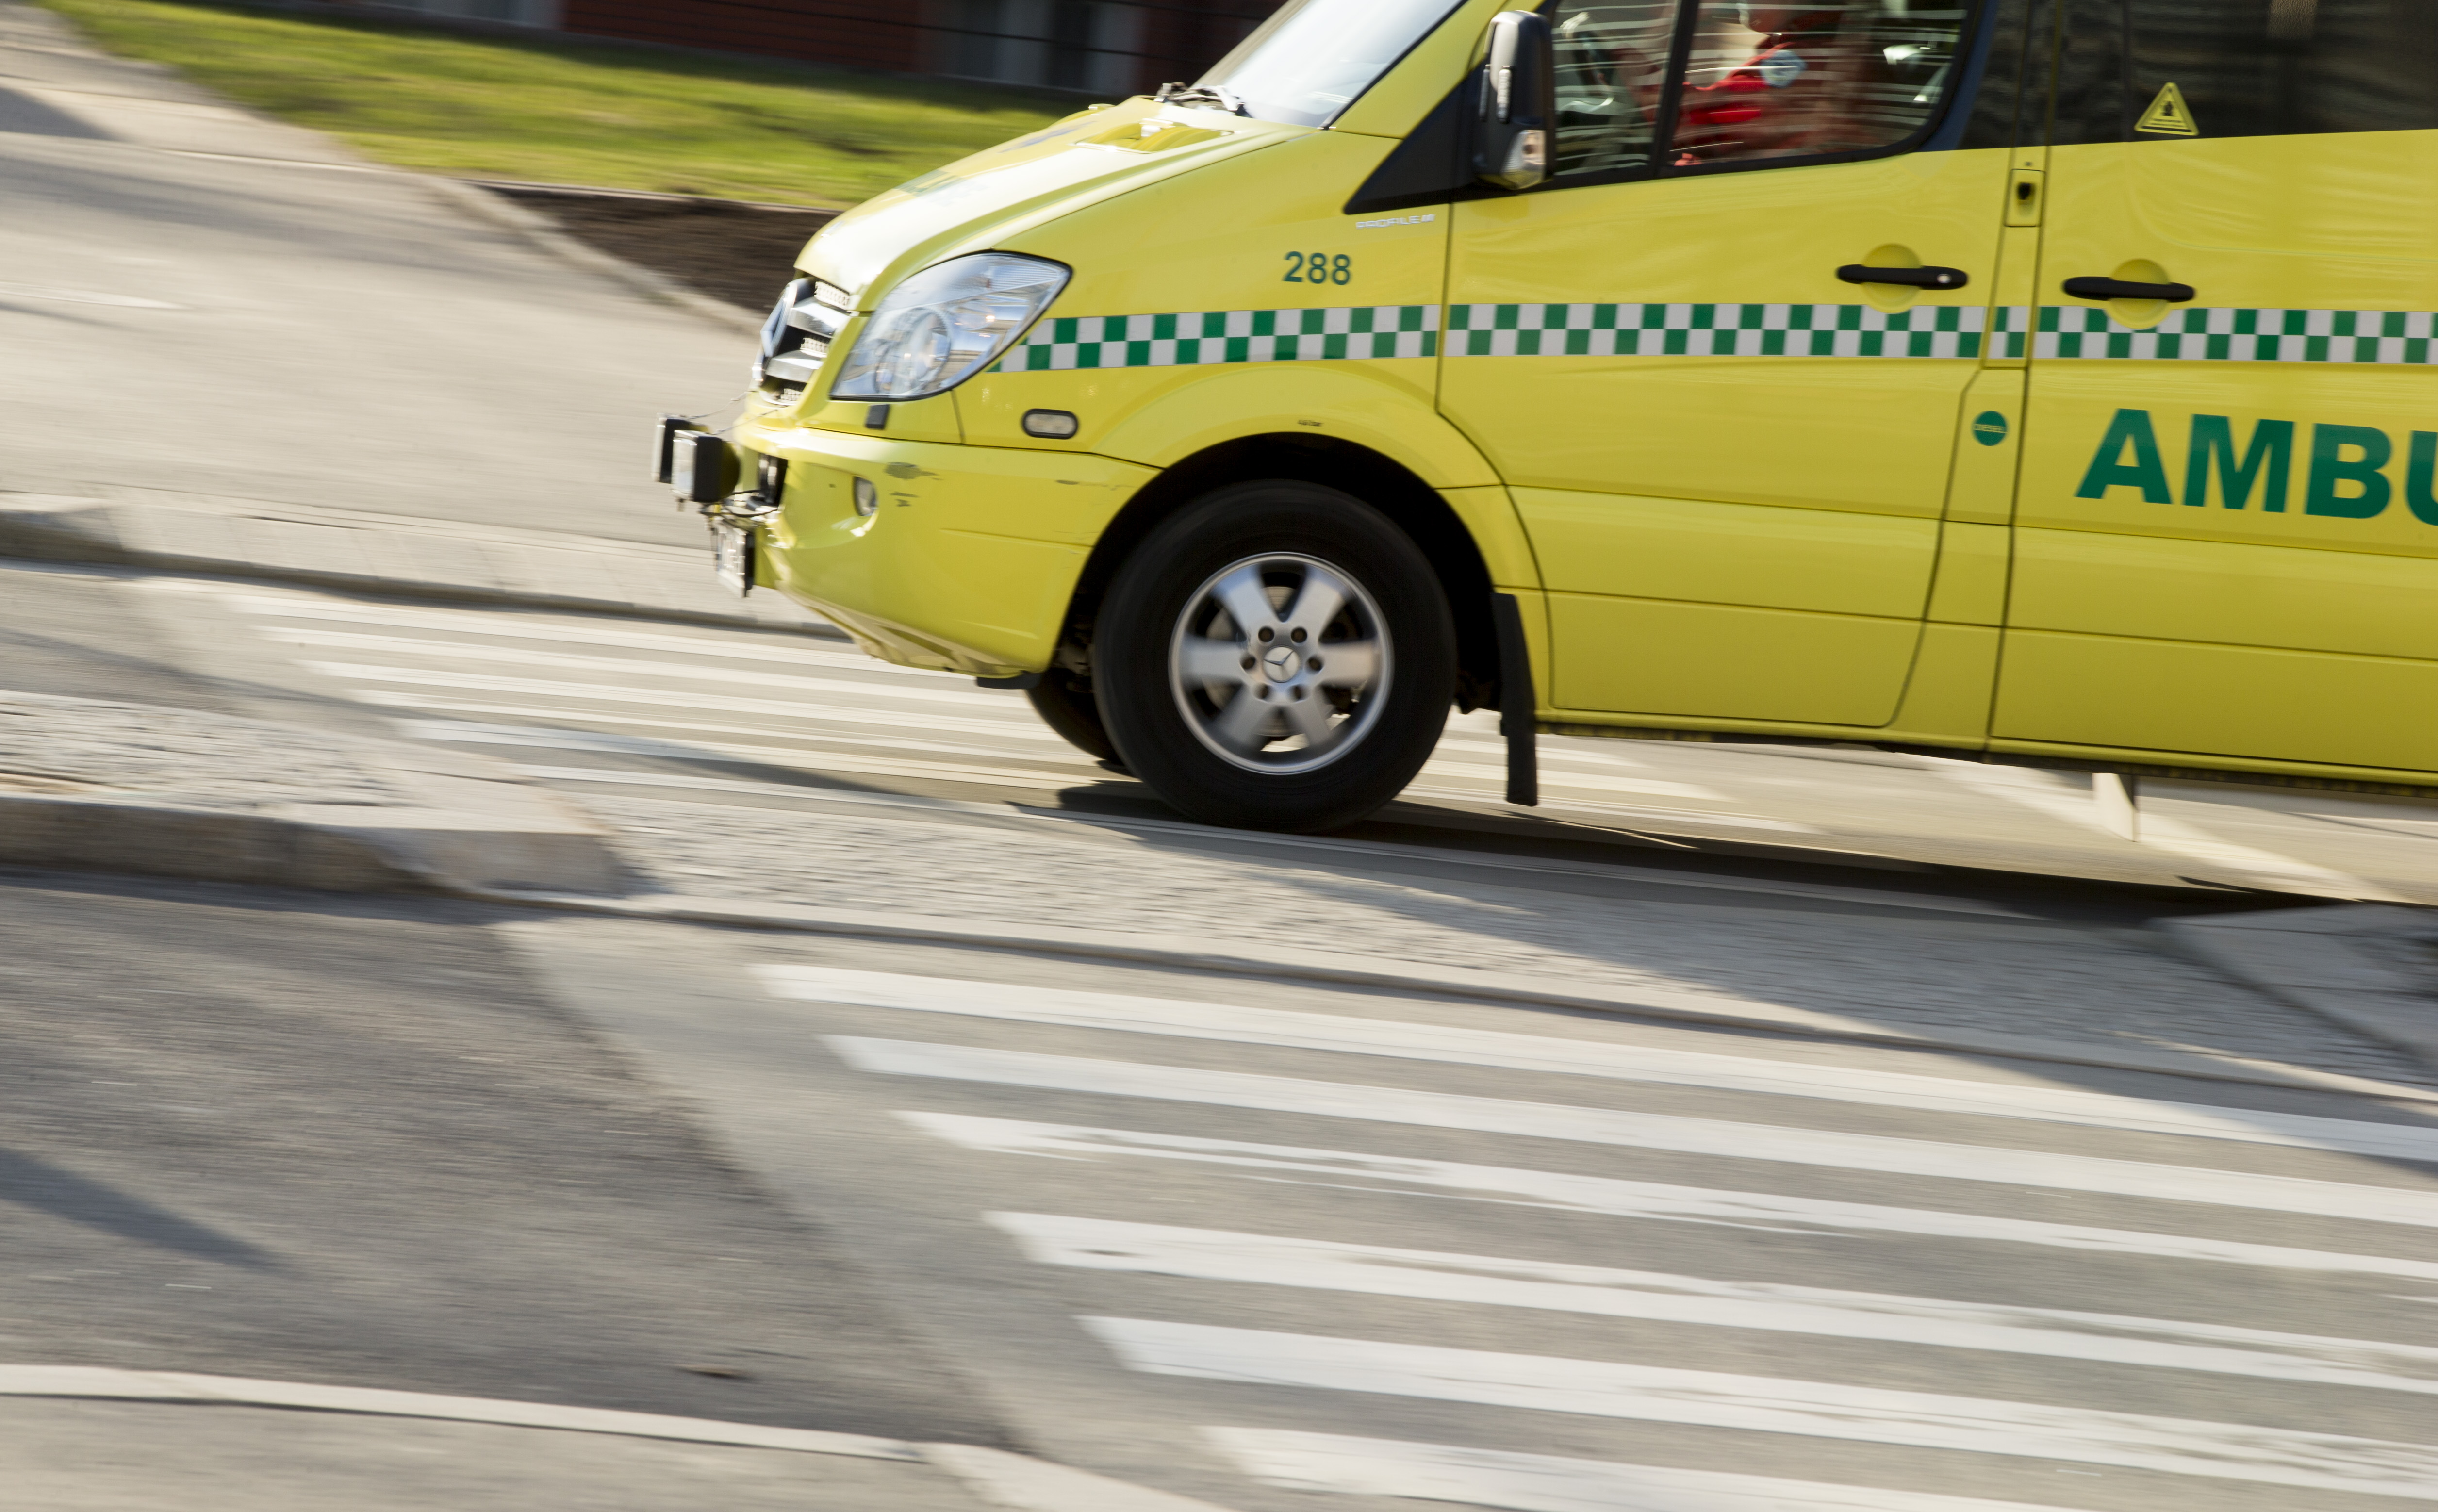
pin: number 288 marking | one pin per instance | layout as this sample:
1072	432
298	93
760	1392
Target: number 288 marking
1318	268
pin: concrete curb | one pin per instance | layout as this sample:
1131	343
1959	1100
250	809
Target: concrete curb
1015	1481
327	848
414	820
2350	964
1192	954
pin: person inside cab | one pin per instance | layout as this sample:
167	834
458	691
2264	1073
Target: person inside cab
1783	80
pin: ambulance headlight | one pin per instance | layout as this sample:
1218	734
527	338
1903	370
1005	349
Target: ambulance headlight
946	323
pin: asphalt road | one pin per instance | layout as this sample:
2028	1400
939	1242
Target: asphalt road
311	1137
1266	1245
1247	1242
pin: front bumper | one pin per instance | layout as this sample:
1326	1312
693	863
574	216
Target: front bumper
968	556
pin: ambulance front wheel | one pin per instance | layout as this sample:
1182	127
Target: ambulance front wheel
1278	657
1064	703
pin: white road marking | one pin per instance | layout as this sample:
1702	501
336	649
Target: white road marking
2051	795
1614	813
571	739
1613	1197
713	784
2176	1446
1561	777
1211	1254
1646	1131
1552	748
802	758
1548	1482
1018	724
613	692
1626	1063
81	296
824	715
881	685
513	626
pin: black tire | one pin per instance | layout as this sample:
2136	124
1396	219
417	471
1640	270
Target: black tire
1064	703
1315	747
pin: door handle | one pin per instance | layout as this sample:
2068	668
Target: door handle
1855	273
2118	289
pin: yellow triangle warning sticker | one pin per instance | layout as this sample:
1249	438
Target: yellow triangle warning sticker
2168	115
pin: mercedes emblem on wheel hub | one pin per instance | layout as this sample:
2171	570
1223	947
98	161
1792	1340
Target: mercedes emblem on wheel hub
1279	663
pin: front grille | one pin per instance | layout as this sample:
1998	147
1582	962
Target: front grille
796	339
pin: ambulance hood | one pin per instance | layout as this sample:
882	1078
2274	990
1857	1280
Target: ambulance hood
985	200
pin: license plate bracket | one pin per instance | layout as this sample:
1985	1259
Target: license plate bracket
731	555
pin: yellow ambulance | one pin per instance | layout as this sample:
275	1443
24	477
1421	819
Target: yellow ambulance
2043	380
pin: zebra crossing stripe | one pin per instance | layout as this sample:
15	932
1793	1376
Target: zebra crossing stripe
547	688
1615	1197
799	758
1646	1131
1714	331
563	632
928	689
1599	1388
1571	1057
1374	1269
1547	1483
1205	336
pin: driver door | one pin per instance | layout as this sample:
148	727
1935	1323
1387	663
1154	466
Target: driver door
1731	459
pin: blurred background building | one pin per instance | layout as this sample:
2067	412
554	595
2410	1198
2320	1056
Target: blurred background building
1104	49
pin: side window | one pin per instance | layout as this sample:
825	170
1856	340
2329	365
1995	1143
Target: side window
2247	68
1806	80
1759	81
1611	81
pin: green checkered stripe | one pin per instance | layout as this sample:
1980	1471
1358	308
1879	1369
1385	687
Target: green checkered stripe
1713	330
1226	336
2365	337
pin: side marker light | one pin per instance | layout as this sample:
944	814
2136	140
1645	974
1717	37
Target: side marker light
1050	425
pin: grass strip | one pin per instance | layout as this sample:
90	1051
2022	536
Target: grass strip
556	110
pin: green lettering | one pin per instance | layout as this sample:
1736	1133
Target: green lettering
2271	448
2330	467
2418	473
2132	428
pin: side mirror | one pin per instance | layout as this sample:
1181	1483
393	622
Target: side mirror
1519	102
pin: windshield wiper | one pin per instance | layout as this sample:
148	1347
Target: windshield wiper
1226	99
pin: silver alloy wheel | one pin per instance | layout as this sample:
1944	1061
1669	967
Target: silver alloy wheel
1279	663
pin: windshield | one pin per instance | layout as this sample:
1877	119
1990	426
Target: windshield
1311	60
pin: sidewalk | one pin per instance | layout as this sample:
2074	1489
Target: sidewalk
337	334
418	474
87	783
393	554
